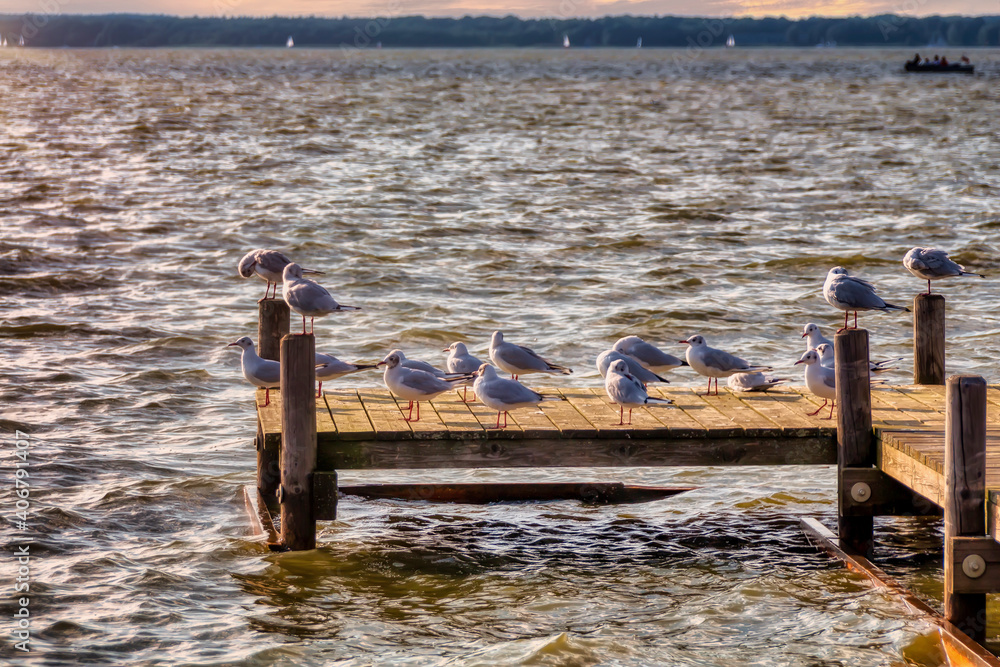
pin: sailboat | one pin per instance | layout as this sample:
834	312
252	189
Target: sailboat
638	43
730	42
20	40
290	43
3	41
565	41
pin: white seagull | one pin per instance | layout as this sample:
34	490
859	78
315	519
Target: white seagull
504	395
828	359
418	365
414	385
933	264
714	363
755	381
460	361
627	391
307	298
820	380
849	293
650	356
330	368
269	265
815	336
518	360
259	372
644	375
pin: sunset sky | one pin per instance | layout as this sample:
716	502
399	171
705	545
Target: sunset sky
525	8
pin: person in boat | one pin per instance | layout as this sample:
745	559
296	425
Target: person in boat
944	61
937	60
965	60
915	61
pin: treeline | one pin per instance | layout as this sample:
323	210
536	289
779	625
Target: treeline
140	30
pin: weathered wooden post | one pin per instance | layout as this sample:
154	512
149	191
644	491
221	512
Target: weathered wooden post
298	441
928	339
966	560
272	324
855	439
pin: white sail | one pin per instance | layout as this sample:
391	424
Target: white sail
731	42
638	43
3	41
20	41
565	41
290	43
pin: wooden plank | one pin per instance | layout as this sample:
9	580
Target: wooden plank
887	414
907	470
430	424
651	422
805	402
716	424
742	414
535	424
909	405
269	417
499	492
348	415
778	407
575	452
674	418
383	413
960	649
570	421
487	419
457	417
260	517
600	413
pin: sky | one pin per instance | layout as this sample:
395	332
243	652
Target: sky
524	8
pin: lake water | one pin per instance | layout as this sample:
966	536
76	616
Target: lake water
567	197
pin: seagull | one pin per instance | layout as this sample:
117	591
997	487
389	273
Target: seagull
850	293
643	375
627	391
460	361
518	360
828	359
504	395
418	365
414	385
933	264
650	356
259	372
714	363
755	381
820	380
331	368
268	264
307	298
815	336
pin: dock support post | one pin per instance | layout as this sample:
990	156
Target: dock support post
272	324
965	496
928	339
855	439
298	441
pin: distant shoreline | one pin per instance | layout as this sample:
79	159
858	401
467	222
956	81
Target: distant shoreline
146	30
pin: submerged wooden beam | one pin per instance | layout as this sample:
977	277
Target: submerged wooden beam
958	646
260	516
480	493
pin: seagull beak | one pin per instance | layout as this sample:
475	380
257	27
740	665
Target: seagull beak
380	363
797	362
447	349
317	273
804	335
684	342
232	345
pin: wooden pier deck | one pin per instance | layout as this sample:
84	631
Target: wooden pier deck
364	428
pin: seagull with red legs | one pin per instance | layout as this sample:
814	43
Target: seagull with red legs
268	265
715	364
307	298
850	293
504	395
626	391
415	385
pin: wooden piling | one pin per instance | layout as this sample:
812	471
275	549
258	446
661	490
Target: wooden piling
272	324
928	339
298	441
965	499
855	438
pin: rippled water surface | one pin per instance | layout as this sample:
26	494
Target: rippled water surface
568	197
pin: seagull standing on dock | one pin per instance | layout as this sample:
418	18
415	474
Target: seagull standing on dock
504	395
518	360
820	380
753	382
714	363
933	264
651	357
460	361
828	359
815	336
307	298
330	368
414	385
418	365
625	390
849	293
608	357
269	265
263	373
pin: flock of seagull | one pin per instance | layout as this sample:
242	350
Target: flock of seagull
628	367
